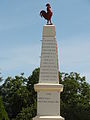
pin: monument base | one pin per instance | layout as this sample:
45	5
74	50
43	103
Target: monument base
48	118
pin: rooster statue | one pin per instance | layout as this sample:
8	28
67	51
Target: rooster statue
47	15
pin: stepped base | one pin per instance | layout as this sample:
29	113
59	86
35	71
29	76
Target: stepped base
48	118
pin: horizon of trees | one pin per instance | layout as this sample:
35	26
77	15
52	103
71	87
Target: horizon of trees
18	100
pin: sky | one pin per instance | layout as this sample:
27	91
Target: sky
21	33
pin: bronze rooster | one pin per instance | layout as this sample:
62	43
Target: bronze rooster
47	15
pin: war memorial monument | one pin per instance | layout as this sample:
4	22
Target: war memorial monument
48	89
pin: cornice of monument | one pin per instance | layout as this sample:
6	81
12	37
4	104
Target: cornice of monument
48	87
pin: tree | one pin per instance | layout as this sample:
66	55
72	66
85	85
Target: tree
75	99
3	114
27	113
15	95
0	80
33	79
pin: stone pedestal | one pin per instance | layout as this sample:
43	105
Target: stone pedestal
48	89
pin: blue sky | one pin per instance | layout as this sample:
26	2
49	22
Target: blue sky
21	32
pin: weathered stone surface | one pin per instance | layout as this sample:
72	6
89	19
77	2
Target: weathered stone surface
48	89
49	56
48	103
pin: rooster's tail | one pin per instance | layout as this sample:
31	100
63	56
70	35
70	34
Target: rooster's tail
43	14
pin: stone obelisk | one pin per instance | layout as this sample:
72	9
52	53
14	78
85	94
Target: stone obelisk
48	89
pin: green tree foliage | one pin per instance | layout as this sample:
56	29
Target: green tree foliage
27	113
19	96
0	80
75	99
33	79
0	77
3	114
15	95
